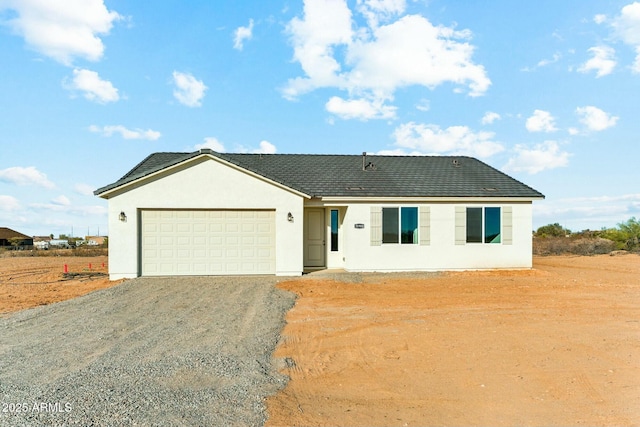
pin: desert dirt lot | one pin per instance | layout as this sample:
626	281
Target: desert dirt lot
558	345
27	282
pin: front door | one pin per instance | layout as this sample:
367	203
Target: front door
314	238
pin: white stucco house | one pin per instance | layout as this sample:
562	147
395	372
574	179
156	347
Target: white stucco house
209	213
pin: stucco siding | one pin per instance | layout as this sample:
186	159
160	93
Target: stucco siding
442	252
203	184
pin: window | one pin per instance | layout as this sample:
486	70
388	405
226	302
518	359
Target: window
390	225
400	225
483	225
334	230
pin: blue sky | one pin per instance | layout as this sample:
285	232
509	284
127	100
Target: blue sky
545	91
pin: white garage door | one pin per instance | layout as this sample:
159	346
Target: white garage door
204	242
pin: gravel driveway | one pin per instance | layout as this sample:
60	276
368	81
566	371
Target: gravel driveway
152	351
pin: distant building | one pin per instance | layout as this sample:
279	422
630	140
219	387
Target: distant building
6	239
42	244
58	243
94	240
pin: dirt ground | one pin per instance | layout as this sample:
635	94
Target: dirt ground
32	281
557	345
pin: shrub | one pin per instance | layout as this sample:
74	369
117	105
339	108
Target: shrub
572	245
593	246
552	230
551	246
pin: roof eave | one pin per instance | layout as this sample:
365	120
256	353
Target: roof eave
457	199
106	192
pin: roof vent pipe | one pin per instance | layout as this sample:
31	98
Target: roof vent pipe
364	160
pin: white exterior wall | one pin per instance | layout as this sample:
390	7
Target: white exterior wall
203	184
442	253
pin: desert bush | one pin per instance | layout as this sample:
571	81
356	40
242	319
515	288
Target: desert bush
593	246
626	236
551	245
572	245
552	230
79	252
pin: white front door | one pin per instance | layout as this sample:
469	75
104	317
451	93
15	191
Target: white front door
314	237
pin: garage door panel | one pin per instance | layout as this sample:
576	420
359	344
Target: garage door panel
248	253
264	227
207	242
183	228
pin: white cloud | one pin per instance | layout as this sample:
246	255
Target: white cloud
455	140
544	62
593	212
541	157
376	11
490	117
423	105
92	86
62	30
56	206
541	121
9	203
265	147
603	61
599	18
627	27
212	144
411	51
84	189
360	109
25	176
189	91
325	25
61	201
241	34
373	61
149	135
595	119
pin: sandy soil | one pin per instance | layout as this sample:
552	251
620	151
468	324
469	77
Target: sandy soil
32	281
557	345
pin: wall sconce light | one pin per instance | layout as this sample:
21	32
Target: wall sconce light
289	217
123	217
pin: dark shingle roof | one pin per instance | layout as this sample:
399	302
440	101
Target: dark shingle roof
320	175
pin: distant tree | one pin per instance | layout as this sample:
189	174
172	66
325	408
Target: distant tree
626	236
616	235
15	242
552	230
631	231
51	235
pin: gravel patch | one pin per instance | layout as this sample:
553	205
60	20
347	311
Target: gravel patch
151	351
